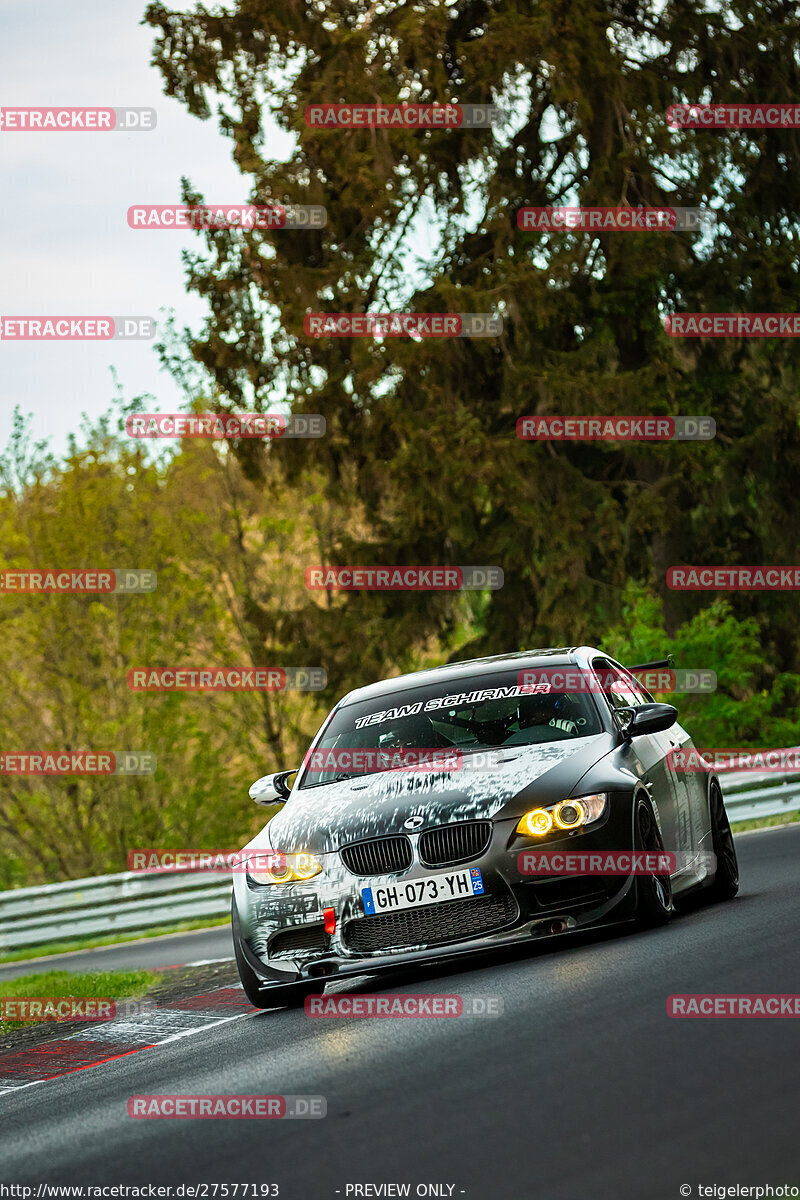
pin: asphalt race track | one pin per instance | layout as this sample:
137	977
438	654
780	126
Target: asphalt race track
583	1088
169	951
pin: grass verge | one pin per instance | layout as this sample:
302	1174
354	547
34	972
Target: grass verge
116	985
789	818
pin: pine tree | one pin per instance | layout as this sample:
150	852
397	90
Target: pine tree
421	435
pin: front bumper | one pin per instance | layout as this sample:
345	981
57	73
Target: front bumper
281	931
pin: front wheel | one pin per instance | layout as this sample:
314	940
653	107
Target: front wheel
282	995
726	879
654	905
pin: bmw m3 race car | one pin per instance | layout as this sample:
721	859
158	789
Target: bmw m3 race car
444	812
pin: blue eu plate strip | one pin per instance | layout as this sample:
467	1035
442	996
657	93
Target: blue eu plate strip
369	902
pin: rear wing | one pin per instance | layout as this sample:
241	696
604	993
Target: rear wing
669	661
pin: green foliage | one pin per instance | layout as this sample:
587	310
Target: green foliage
421	435
420	463
214	545
753	704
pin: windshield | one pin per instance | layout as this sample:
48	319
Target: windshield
422	724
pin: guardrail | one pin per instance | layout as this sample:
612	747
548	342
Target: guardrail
132	902
124	903
749	795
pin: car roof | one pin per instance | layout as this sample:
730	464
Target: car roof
471	668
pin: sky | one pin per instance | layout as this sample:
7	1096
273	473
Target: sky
65	246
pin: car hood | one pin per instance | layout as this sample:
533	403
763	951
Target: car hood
323	818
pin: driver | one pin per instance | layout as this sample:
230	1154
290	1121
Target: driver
550	710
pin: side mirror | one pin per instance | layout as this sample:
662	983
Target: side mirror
647	718
272	789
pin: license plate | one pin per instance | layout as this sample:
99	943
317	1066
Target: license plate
433	889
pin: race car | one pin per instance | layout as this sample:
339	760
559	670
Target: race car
444	813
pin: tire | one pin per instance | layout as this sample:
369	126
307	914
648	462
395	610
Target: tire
654	903
726	879
260	995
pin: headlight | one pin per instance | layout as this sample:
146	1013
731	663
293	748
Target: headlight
570	814
305	866
273	866
566	815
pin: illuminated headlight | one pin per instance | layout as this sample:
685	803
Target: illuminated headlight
570	814
276	867
305	866
536	823
567	814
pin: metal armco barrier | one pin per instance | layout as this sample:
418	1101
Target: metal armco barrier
751	794
132	902
107	904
